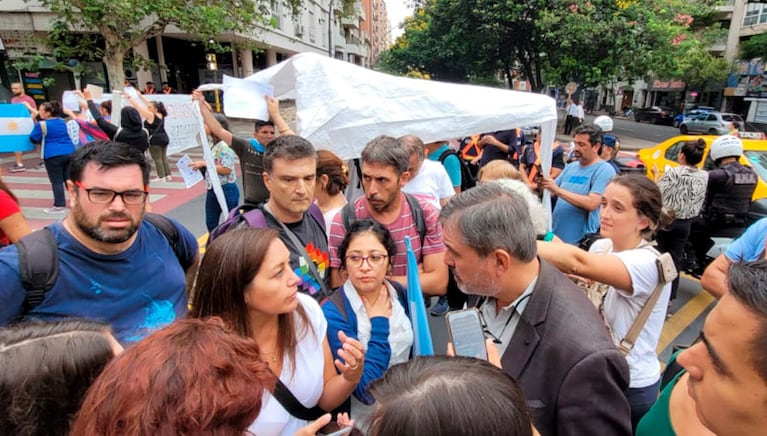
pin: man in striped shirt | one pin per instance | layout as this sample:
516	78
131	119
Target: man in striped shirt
384	173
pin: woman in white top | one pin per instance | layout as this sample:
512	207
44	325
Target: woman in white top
631	213
684	191
246	279
369	307
332	180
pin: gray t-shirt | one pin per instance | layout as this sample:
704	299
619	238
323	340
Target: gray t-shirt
311	234
252	163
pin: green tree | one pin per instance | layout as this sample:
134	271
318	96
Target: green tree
557	41
754	47
124	25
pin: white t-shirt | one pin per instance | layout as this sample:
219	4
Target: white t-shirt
621	309
306	382
431	183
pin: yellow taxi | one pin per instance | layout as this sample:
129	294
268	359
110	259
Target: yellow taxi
665	154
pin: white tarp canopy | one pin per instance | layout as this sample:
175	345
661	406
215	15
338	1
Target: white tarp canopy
341	106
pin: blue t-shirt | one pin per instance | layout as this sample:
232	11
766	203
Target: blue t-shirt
452	164
750	245
571	223
136	291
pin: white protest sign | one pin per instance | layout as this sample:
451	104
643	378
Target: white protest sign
245	98
191	175
70	100
211	174
97	92
180	124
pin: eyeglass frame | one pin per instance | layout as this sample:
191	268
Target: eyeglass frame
114	194
364	259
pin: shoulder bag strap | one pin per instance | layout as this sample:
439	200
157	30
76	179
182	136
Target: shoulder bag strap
292	405
296	243
628	341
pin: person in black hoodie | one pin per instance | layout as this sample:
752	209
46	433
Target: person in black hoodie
154	114
131	130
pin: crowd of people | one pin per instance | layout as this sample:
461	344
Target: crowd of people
297	313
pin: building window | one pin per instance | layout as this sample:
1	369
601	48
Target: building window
756	13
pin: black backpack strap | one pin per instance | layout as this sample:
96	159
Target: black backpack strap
170	231
38	265
420	221
289	402
347	216
445	154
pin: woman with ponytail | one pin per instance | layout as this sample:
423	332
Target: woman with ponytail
684	191
625	262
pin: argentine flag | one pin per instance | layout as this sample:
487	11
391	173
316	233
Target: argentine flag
422	343
15	127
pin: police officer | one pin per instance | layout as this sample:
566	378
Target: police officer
610	143
728	195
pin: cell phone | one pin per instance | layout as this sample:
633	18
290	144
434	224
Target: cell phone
334	429
465	331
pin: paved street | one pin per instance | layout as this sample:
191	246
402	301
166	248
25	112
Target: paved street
187	206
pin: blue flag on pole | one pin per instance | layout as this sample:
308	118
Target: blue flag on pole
15	127
422	344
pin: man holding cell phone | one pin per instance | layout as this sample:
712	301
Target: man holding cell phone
550	337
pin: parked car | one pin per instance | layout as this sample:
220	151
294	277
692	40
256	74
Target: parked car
655	115
665	155
691	112
713	123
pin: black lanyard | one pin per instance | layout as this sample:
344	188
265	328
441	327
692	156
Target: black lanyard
486	330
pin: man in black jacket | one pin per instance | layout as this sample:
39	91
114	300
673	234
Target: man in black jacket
551	338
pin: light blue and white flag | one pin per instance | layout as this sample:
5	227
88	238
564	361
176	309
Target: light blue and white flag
422	343
15	127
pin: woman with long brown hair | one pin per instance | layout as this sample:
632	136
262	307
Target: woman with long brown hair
246	279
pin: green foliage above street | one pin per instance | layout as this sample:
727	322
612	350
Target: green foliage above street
124	24
558	41
754	47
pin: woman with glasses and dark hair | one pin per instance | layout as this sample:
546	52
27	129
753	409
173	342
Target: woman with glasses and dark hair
369	308
52	133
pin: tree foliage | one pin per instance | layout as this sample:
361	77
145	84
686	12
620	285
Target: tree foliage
125	24
754	47
558	41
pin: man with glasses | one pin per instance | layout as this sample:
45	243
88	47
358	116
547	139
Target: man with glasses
113	265
550	337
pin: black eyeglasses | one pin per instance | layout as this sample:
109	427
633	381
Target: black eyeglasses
486	330
107	196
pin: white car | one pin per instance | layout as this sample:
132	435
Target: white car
712	123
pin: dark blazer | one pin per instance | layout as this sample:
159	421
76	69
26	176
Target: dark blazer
571	373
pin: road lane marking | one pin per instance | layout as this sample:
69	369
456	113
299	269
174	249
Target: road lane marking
201	242
682	319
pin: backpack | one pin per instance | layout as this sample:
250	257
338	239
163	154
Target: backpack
467	179
39	258
348	216
251	215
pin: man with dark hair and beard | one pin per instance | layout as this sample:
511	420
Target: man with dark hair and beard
113	266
